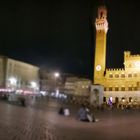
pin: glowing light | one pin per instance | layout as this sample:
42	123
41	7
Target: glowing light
56	74
123	100
33	84
98	67
13	80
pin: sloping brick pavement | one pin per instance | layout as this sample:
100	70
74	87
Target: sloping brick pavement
19	123
42	122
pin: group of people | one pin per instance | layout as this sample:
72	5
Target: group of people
84	113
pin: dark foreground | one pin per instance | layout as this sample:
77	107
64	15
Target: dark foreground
42	122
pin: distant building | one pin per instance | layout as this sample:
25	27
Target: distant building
65	83
49	82
122	84
77	86
18	76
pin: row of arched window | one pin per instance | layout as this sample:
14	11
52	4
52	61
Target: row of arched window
120	89
123	75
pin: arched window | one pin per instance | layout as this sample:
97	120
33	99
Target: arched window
101	15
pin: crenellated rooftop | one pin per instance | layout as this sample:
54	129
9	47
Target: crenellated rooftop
115	69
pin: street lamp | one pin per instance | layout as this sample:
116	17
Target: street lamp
56	74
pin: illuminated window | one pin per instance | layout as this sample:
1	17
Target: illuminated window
122	75
116	75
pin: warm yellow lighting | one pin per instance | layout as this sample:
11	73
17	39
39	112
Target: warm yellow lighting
137	63
123	100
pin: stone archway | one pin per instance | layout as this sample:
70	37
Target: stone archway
96	95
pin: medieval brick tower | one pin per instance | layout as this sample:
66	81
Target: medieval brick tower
121	85
101	25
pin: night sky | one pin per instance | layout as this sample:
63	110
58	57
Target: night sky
58	34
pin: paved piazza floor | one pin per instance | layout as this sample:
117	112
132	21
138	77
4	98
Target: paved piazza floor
42	122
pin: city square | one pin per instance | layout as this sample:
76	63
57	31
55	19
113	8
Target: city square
69	70
41	121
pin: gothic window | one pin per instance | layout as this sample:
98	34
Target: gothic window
116	75
116	88
122	88
110	76
116	99
122	75
130	99
129	75
101	14
130	88
110	88
123	99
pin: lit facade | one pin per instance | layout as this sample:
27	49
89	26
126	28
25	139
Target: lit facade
49	81
17	76
121	83
77	86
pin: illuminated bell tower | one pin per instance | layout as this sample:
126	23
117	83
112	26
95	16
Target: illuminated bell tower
101	25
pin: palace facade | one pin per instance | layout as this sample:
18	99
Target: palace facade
17	76
122	84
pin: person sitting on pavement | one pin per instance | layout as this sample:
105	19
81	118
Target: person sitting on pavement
61	111
90	115
82	114
66	112
85	114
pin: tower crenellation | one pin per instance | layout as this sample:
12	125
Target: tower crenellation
101	20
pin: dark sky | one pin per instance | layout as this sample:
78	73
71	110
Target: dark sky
58	34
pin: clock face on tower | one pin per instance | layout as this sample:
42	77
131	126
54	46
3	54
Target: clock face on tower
98	67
